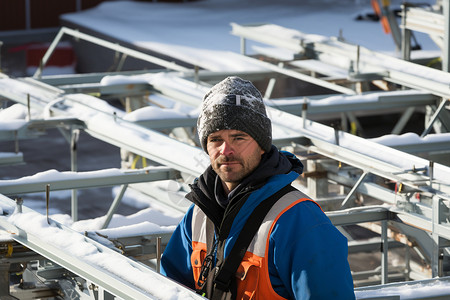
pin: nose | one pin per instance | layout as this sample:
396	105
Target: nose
226	149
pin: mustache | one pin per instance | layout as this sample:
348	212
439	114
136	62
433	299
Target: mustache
223	159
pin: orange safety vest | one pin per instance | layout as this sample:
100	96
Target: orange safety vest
252	276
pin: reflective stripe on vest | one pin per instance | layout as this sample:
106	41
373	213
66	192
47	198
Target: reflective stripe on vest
252	276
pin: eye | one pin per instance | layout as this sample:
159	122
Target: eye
213	140
241	137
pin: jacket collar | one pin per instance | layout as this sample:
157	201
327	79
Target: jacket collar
205	190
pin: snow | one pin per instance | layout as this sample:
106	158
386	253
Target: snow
76	245
15	111
13	118
153	112
410	138
121	79
421	290
54	175
12	124
196	32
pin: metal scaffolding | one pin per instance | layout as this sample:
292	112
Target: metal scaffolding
403	198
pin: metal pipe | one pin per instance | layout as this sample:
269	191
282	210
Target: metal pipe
19	202
114	205
158	254
430	171
16	141
354	189
384	253
304	111
48	53
437	240
406	36
29	107
74	168
434	117
243	45
401	123
446	42
47	201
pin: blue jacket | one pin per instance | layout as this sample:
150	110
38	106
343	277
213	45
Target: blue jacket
307	254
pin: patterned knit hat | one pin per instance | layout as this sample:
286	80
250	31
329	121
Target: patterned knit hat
236	104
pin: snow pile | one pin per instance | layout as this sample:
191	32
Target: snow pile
153	113
421	290
393	140
13	117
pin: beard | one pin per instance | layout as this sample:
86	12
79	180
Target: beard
233	169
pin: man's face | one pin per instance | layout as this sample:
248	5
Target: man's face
234	154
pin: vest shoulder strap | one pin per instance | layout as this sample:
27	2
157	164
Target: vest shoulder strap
230	265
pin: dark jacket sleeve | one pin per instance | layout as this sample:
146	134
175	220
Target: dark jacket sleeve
176	259
308	256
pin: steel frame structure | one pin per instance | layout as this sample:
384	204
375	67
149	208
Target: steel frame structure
344	160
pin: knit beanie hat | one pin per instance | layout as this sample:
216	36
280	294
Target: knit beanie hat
236	104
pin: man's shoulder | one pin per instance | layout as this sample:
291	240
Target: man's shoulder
295	197
299	204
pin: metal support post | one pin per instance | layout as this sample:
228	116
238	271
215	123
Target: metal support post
158	254
28	107
74	168
304	111
114	205
271	84
16	142
434	117
243	45
134	102
407	261
406	36
384	253
1	44
269	88
4	281
121	62
354	120
353	190
344	122
19	202
46	57
196	75
401	123
395	30
437	240
317	184
446	42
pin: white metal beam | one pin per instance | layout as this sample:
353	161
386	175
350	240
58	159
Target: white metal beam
83	180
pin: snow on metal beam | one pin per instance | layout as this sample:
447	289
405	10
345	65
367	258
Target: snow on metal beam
366	155
326	104
81	180
103	121
119	275
9	158
359	61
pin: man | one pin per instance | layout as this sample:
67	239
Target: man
296	253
